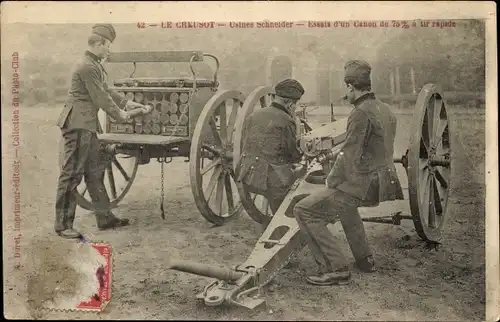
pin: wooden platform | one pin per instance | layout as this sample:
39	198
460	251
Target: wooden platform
141	139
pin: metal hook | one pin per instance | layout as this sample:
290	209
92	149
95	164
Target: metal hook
133	72
216	68
192	70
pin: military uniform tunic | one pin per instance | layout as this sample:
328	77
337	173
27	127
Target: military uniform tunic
269	148
88	93
363	175
368	152
82	154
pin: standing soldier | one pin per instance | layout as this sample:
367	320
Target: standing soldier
79	123
270	155
363	175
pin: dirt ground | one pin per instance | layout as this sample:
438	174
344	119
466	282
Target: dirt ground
412	283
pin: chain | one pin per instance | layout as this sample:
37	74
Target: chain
162	162
162	211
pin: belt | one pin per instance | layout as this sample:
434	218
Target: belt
257	157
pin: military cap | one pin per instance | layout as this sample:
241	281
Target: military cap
289	88
104	30
357	72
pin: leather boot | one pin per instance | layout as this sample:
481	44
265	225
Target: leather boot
69	233
339	277
114	223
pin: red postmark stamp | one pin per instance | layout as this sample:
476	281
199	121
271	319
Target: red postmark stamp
103	274
82	279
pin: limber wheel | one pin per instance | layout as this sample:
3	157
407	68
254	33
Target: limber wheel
429	164
211	158
118	178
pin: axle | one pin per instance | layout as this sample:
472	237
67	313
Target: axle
439	161
394	219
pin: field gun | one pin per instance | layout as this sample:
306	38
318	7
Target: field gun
427	163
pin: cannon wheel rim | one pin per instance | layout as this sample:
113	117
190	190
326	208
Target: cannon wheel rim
429	184
248	199
116	166
222	165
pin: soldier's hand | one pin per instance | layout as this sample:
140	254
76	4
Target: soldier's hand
131	105
125	117
147	109
298	169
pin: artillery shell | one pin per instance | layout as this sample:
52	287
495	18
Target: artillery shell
164	118
184	97
158	96
183	108
173	108
174	97
174	119
156	128
183	119
139	97
155	115
147	128
129	96
165	106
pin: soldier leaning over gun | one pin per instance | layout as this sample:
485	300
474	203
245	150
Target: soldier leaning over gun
363	175
270	155
79	125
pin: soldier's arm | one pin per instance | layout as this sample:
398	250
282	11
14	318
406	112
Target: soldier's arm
98	93
336	175
118	98
358	126
290	137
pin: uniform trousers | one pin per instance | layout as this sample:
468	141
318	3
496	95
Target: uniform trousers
316	211
83	158
274	196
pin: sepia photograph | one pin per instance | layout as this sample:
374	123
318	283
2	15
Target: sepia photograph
250	161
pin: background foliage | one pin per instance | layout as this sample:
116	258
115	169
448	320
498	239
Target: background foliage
452	57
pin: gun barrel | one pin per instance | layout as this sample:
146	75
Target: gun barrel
220	273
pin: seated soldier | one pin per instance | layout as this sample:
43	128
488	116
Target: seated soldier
363	175
270	155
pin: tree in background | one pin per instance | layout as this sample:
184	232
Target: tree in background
451	57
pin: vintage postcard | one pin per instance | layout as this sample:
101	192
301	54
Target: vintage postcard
300	160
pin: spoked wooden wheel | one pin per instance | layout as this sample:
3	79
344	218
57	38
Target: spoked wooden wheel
256	206
211	158
118	178
429	164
